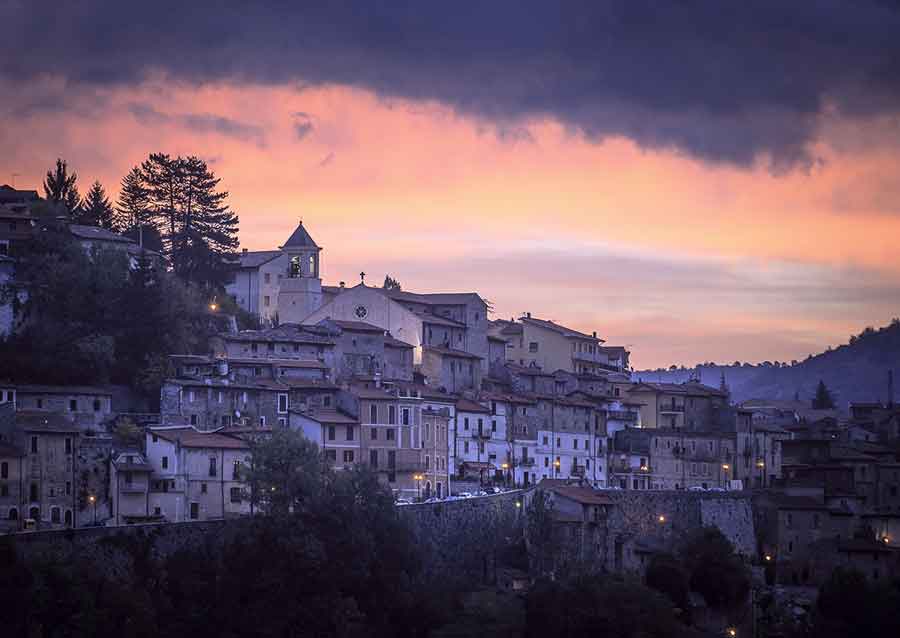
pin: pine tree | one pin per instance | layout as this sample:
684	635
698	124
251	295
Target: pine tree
390	283
823	399
199	230
133	207
96	209
61	188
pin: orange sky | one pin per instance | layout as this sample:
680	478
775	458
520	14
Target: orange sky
683	261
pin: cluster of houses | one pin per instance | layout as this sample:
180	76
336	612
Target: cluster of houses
437	398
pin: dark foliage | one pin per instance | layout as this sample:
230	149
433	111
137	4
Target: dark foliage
668	576
586	606
60	187
716	572
823	399
849	605
96	210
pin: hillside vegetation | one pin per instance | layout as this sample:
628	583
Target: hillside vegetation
855	371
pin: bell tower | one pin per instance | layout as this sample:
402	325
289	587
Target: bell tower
300	293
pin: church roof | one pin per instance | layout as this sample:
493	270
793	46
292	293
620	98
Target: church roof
300	239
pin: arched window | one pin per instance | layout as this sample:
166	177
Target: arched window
312	266
68	518
428	489
440	490
13	514
35	513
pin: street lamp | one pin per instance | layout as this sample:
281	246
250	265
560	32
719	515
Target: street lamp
418	479
732	632
661	518
93	501
505	468
556	465
213	306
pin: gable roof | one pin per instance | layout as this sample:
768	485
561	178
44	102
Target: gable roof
355	326
583	495
434	298
257	258
467	405
96	233
300	238
190	437
555	327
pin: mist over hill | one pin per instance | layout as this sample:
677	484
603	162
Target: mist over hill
855	371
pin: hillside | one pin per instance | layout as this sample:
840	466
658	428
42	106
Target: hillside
856	371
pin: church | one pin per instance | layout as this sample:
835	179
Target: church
448	331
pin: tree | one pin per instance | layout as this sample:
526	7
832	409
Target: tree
199	230
390	283
585	606
823	399
96	209
539	531
285	471
60	187
668	576
133	207
715	570
849	605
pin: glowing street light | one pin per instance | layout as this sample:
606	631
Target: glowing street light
418	479
726	467
93	501
732	632
760	464
661	518
768	558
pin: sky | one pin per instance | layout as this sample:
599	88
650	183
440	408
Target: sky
698	181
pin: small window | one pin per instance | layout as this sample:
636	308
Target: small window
392	414
4	470
203	488
282	403
390	434
331	432
266	300
73	405
165	462
96	405
68	445
349	432
373	413
348	456
533	346
212	466
235	495
405	415
373	433
195	511
34	445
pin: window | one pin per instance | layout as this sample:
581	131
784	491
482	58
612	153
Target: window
348	456
236	471
373	434
34	445
326	401
405	414
13	514
373	413
193	419
331	455
466	423
331	433
282	403
96	405
4	489
427	462
349	432
389	434
267	278
68	488
157	511
165	462
235	495
373	459
546	441
73	405
465	447
392	414
195	511
4	470
40	403
203	488
546	461
533	346
266	300
212	466
33	494
262	421
282	422
191	396
575	443
55	515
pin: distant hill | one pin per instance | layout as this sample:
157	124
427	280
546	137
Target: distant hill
856	371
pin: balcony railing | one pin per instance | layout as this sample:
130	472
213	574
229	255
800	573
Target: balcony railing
621	415
527	462
672	408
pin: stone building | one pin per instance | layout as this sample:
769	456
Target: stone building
551	346
196	475
89	407
436	452
256	282
12	487
47	492
474	433
283	342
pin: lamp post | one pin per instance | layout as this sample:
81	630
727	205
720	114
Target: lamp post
505	468
93	501
725	468
418	479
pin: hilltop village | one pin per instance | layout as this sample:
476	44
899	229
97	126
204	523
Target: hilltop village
443	402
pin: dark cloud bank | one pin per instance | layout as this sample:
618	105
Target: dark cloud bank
720	81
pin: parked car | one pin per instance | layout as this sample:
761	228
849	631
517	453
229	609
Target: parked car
403	501
464	495
696	488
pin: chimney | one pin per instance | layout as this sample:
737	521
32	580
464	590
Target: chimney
244	250
342	284
528	314
890	397
595	334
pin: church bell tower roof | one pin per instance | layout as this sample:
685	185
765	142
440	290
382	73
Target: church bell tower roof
300	238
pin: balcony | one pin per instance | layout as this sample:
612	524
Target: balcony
529	462
483	434
671	409
621	415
